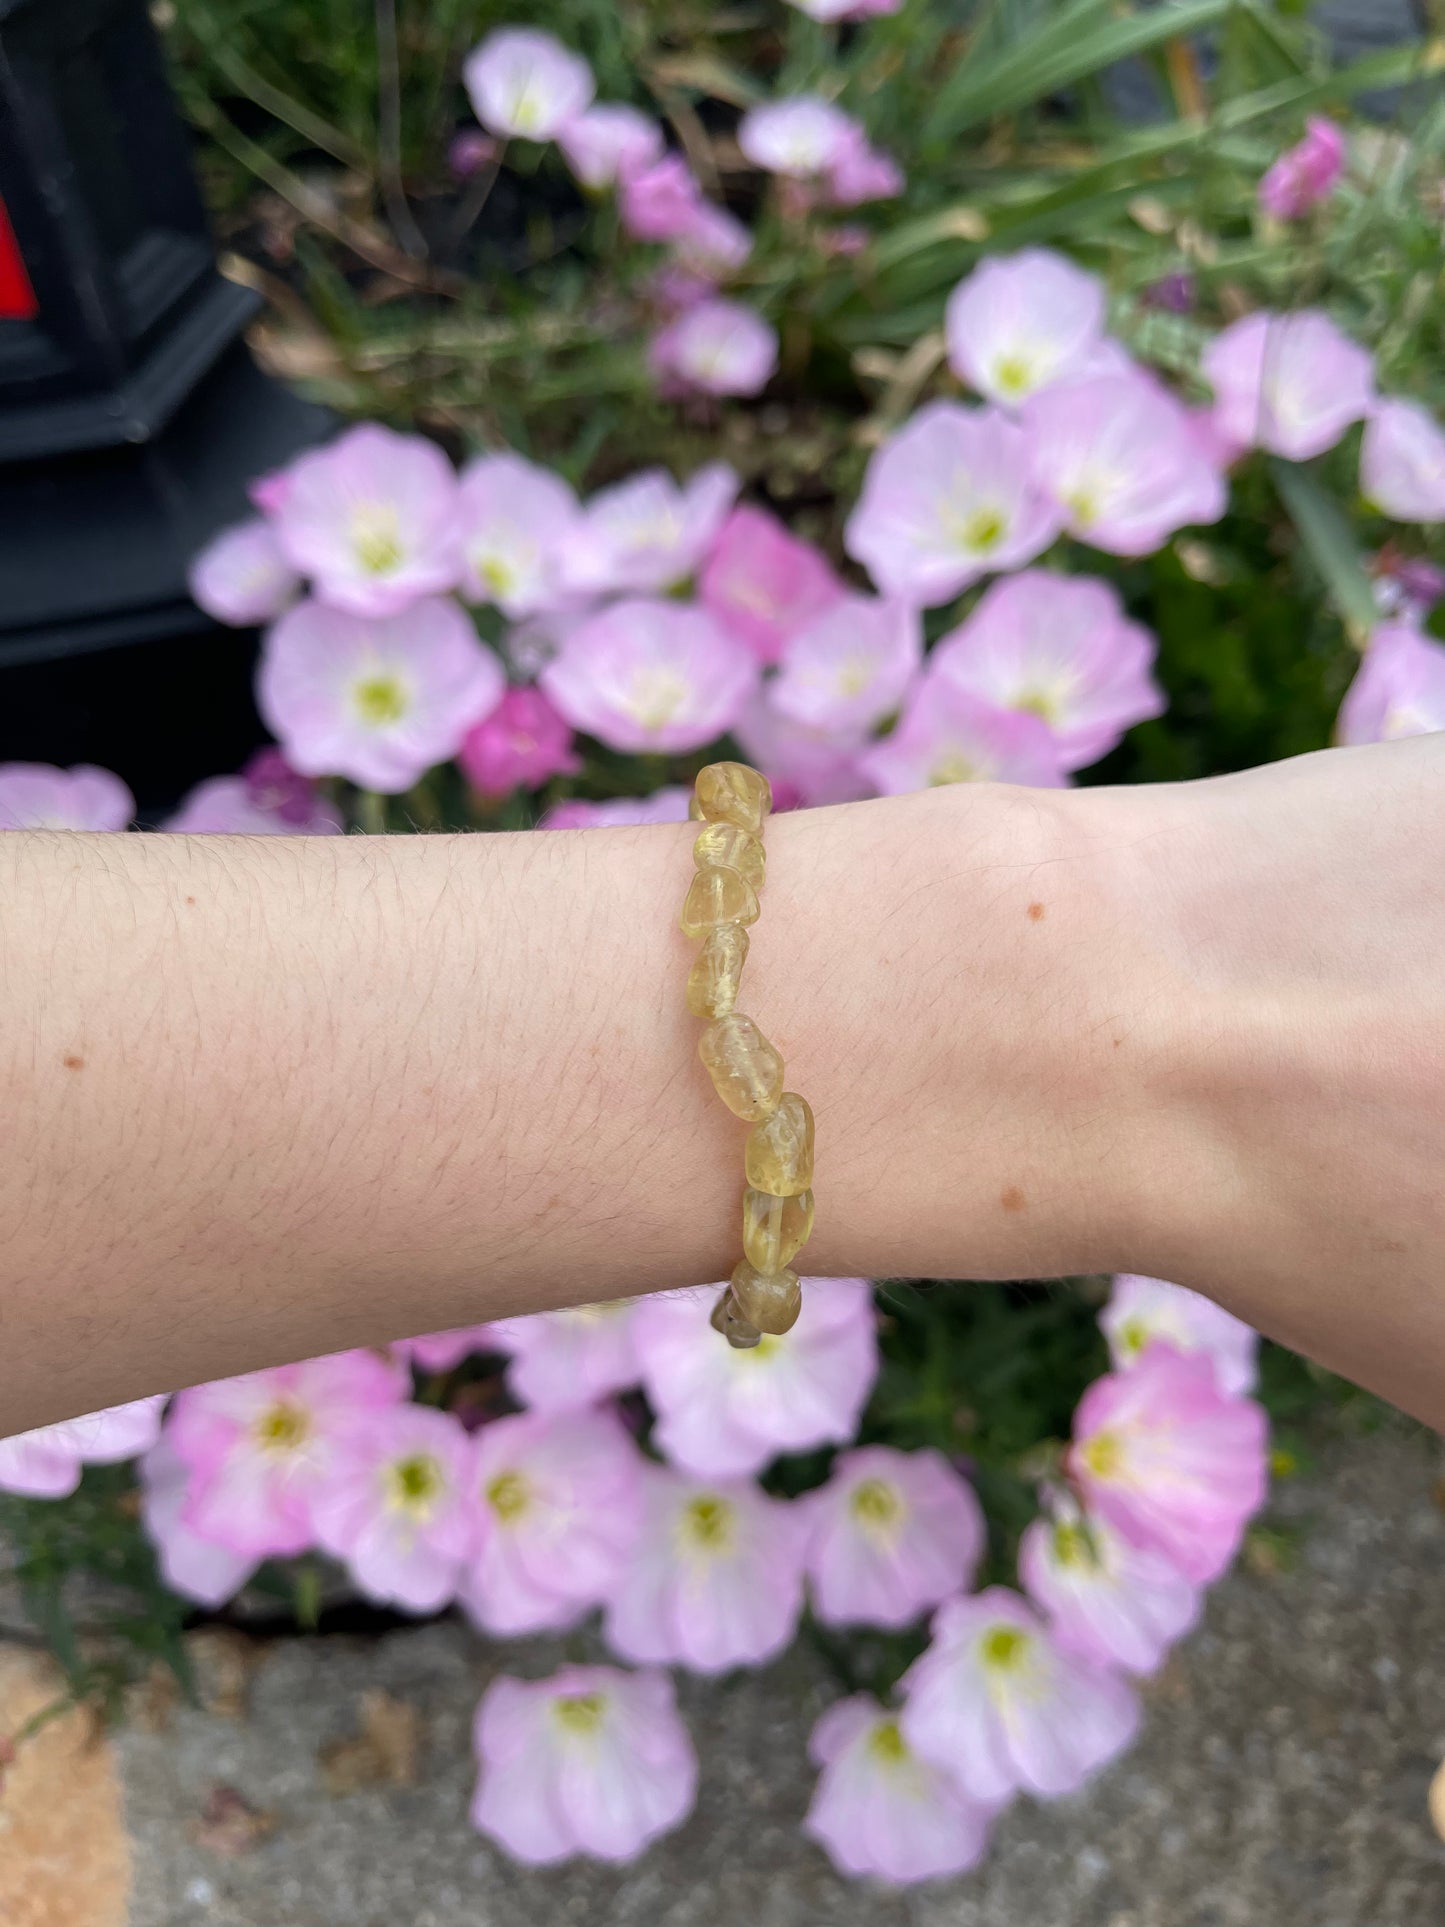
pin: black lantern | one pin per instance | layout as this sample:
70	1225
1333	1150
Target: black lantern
131	415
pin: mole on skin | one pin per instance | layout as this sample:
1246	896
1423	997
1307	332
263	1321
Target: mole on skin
73	1063
1036	912
1013	1199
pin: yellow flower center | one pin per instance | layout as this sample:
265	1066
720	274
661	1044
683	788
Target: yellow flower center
376	538
283	1427
1103	1455
1133	1335
955	768
656	696
1073	1546
886	1743
1043	703
498	574
876	1503
507	1496
1014	374
982	530
380	700
1083	504
1004	1648
415	1483
707	1522
580	1712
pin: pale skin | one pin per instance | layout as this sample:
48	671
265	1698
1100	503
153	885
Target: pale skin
266	1098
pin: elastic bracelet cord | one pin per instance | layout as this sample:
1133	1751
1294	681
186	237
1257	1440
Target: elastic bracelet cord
731	801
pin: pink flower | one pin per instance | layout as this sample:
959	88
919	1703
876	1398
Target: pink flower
560	1501
196	1568
399	1507
831	10
372	519
241	577
1118	456
661	202
715	1579
889	1535
379	700
1115	1603
861	173
523	741
1399	688
268	798
946	735
260	1447
1000	1705
803	765
851	667
725	1413
1168	1459
717	347
1291	383
1020	322
524	84
802	137
713	243
762	583
444	1351
948	498
1143	1311
1402	461
590	1761
1059	647
515	522
469	151
566	1360
1304	174
646	535
648	676
609	142
267	492
46	1463
667	805
881	1809
37	796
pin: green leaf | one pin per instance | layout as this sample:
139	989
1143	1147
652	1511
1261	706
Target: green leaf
1330	544
1076	42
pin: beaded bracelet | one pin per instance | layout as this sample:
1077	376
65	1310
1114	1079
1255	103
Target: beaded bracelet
763	1295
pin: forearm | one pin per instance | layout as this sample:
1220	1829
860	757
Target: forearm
271	1098
268	1098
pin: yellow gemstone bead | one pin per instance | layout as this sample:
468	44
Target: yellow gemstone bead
778	1156
744	1067
728	1319
694	809
768	1300
717	896
726	847
775	1229
712	983
733	793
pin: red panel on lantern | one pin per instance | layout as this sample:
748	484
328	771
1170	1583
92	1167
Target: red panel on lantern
17	297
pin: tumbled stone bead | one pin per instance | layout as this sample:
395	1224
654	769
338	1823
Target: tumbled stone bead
712	983
718	896
727	847
778	1156
769	1300
744	1067
728	1319
733	793
775	1229
694	809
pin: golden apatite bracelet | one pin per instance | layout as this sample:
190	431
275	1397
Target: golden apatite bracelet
763	1295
